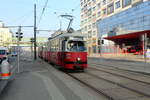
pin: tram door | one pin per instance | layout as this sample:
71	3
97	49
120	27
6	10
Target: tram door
63	49
63	46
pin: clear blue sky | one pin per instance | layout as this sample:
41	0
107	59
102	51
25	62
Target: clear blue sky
20	12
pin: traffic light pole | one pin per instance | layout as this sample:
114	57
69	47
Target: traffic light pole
35	57
18	51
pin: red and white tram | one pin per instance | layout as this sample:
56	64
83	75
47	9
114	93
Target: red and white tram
67	50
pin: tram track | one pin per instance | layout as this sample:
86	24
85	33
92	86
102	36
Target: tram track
121	85
143	86
108	92
122	73
91	87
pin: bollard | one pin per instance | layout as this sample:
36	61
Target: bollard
5	70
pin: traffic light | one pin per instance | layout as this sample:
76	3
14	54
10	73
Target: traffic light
100	42
31	40
19	36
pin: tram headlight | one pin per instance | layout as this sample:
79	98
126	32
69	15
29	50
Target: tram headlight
78	59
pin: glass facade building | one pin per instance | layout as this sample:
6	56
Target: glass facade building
131	20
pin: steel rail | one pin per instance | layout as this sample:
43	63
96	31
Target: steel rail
91	87
118	74
121	85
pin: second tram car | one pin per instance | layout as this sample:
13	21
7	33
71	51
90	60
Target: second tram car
68	50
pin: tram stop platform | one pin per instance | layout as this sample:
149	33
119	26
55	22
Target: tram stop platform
133	62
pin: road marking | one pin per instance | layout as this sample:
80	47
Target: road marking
51	87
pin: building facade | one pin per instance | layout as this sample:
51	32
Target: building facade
98	18
5	35
127	29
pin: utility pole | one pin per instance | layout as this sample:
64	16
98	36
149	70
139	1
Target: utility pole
35	32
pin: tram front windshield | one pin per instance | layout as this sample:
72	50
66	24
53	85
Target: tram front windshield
77	46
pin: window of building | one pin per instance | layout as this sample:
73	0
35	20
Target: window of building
110	8
94	16
89	19
89	12
104	2
89	34
117	4
82	15
94	25
82	22
85	21
85	28
82	29
85	7
98	5
89	4
126	3
99	14
82	9
94	33
89	26
104	12
81	3
94	8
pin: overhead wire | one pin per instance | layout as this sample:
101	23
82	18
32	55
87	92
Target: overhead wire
43	10
76	7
